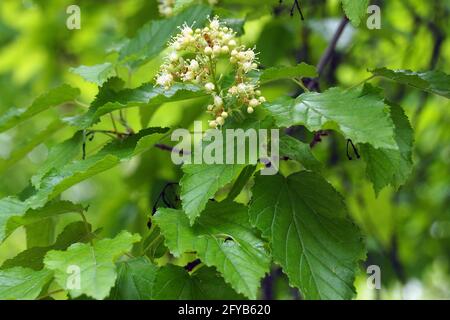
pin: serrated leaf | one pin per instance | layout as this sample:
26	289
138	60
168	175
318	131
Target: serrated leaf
301	70
152	38
436	82
175	283
355	10
22	284
201	181
54	97
360	116
310	234
34	258
147	95
299	151
387	166
97	74
135	280
96	264
223	238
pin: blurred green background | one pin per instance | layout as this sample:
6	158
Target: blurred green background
408	231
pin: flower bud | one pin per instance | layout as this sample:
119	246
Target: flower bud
250	110
224	115
209	86
253	103
208	51
220	121
218	102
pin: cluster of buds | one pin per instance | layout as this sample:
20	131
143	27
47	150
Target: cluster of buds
205	47
167	7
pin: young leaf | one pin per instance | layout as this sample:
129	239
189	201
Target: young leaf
201	181
355	10
301	70
436	82
360	116
54	97
387	166
135	280
34	258
299	151
97	74
22	283
175	283
223	238
310	234
152	38
95	263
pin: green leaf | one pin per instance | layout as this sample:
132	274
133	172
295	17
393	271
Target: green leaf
147	95
21	283
355	10
175	283
360	116
387	166
435	82
223	238
135	280
9	207
40	215
59	180
201	181
34	258
299	151
58	156
241	181
152	38
97	74
301	70
310	234
54	97
96	264
23	149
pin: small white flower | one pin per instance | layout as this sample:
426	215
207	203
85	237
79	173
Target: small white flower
225	49
253	103
164	79
209	86
250	110
262	99
193	65
224	115
214	24
218	102
173	56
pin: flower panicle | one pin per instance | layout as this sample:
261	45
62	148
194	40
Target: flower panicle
205	46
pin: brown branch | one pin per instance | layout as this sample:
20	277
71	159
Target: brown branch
328	54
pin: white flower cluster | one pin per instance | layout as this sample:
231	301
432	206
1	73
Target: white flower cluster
205	47
166	7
